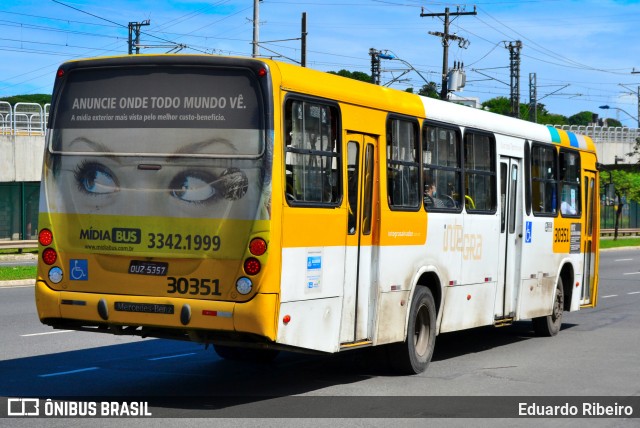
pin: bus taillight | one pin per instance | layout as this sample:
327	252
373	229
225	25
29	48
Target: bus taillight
252	266
258	246
45	237
49	256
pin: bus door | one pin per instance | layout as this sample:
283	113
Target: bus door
589	280
359	295
510	237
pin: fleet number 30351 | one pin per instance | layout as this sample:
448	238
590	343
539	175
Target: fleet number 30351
193	286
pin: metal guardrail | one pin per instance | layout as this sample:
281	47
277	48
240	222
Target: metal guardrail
18	245
23	118
621	232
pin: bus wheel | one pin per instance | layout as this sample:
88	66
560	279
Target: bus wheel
550	325
252	355
413	355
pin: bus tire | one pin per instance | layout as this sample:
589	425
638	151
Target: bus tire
549	325
414	354
252	355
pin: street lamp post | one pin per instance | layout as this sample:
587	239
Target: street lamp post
606	107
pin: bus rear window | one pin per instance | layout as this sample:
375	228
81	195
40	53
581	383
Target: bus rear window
166	111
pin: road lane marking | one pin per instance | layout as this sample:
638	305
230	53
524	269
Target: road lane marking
623	260
48	332
631	273
88	369
610	295
634	292
171	356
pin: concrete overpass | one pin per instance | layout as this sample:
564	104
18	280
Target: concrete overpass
611	142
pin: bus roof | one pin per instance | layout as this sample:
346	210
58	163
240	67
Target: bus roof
352	91
345	90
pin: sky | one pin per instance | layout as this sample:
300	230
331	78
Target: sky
584	54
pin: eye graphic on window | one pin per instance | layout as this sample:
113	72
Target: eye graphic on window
195	186
234	183
95	179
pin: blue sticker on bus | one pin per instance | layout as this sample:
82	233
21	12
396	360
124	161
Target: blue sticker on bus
527	233
314	262
79	269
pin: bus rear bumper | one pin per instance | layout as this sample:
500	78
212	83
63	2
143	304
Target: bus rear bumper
257	316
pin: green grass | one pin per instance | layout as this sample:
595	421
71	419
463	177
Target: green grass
10	273
14	251
620	242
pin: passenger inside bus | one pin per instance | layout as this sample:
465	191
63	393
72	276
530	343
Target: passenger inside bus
430	195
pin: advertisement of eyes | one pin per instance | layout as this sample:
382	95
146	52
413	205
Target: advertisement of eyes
160	162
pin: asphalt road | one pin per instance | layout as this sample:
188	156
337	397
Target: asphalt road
596	354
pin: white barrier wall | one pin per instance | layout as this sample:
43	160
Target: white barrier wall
21	157
611	142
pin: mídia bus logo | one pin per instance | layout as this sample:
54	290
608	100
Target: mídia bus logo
117	235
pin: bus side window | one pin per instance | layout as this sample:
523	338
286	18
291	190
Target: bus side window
312	154
480	172
441	167
569	183
543	180
403	165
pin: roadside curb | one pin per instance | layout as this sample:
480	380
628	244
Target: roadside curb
17	282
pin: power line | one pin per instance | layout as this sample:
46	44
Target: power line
541	48
52	29
55	19
116	23
49	44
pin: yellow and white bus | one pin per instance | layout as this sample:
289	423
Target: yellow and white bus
260	206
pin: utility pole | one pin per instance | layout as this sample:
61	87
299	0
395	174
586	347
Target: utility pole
533	97
637	72
514	57
375	66
303	41
633	93
256	27
134	27
446	37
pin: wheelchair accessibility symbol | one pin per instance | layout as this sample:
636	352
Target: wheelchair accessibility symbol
79	269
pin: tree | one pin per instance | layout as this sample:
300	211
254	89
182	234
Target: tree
552	119
429	90
500	105
635	152
583	118
626	186
356	75
614	123
41	99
